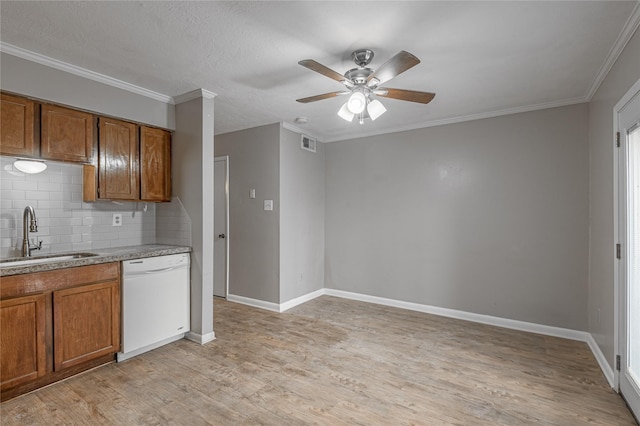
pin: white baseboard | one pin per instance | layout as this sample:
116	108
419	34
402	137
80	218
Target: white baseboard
300	300
275	307
467	316
546	330
602	361
270	306
200	338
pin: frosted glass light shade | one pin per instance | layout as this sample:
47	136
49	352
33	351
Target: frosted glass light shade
345	114
357	102
30	166
375	109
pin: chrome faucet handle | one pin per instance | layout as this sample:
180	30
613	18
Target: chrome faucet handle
35	247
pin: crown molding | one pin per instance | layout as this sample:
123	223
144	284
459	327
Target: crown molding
194	94
82	72
463	118
625	35
297	129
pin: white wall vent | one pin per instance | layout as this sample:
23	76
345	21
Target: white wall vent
308	143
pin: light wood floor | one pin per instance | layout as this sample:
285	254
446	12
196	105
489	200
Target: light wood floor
333	362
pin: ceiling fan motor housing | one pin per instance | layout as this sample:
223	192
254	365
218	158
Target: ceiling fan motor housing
358	75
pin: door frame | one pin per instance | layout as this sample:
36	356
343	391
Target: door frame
225	159
619	227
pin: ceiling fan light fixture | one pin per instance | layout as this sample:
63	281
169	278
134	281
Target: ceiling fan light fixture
375	109
357	102
345	114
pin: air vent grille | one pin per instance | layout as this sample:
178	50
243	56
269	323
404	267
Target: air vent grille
308	143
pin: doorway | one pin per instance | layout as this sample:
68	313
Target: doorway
221	226
627	116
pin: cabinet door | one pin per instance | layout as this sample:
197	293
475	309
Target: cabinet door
155	164
66	134
86	323
22	340
18	126
118	177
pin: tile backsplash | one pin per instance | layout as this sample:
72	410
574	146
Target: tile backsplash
67	223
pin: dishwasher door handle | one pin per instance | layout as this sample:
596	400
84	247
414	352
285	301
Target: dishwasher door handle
153	271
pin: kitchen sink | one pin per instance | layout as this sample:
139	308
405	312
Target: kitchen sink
23	261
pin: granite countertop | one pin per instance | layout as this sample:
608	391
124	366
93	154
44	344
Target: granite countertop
114	254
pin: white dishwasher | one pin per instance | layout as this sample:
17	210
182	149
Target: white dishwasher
155	302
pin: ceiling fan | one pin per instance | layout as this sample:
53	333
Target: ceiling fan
364	84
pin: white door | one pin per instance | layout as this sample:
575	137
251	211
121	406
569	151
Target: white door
629	235
221	226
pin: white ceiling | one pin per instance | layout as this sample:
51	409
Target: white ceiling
480	58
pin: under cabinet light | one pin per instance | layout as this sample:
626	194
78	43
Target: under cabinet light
30	166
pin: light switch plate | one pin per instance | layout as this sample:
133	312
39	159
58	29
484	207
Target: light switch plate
117	219
252	193
268	204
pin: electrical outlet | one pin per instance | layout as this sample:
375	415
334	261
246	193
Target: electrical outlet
117	219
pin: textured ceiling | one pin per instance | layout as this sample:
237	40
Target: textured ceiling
480	58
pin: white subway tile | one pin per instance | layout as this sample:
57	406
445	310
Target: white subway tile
48	186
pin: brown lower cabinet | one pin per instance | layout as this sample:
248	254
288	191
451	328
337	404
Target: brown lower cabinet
55	324
22	340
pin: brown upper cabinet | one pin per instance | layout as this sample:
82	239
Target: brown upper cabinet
118	177
155	164
66	134
134	163
19	120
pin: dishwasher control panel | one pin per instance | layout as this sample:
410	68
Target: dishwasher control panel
149	264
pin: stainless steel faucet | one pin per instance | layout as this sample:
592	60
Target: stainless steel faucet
33	227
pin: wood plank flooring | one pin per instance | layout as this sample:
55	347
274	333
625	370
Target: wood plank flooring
338	362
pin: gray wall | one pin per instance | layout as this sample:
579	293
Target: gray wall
301	217
50	84
254	233
488	216
625	72
192	158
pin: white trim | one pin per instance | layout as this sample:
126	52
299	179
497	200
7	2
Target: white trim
269	306
297	129
275	307
200	338
602	361
463	118
83	72
225	159
617	296
194	94
467	316
625	35
300	300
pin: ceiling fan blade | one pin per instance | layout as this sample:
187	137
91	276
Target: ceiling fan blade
394	66
321	97
405	95
319	68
